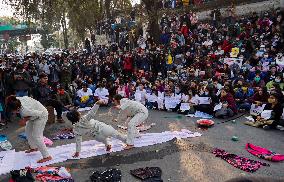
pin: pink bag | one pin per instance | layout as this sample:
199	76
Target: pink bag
264	153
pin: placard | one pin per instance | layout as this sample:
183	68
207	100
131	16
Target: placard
266	114
170	103
218	107
256	110
184	107
204	100
138	96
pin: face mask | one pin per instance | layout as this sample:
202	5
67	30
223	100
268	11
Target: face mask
61	92
206	93
257	79
277	80
177	90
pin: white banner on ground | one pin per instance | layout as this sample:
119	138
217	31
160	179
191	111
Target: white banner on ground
20	160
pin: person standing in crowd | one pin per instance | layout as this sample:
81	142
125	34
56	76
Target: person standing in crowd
66	73
46	96
22	81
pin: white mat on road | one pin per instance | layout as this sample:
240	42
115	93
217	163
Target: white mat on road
11	160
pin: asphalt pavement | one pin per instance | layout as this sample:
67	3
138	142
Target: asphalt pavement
187	160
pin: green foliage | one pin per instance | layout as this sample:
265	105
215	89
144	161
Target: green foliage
53	15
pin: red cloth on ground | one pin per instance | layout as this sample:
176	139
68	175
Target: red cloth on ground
264	153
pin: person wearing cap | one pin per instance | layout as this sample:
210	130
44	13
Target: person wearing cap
84	125
137	114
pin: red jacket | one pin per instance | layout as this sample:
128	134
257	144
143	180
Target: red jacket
185	31
127	63
231	102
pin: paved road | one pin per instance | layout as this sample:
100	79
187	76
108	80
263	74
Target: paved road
180	160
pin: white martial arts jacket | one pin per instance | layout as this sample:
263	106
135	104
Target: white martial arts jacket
32	108
88	126
132	107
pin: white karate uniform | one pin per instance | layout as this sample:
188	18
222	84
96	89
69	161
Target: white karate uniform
100	130
35	126
139	114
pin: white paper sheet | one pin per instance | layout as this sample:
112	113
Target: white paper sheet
170	102
7	160
256	110
204	100
184	106
266	114
218	106
152	98
20	160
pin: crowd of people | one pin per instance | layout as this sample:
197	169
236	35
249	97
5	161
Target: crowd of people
222	67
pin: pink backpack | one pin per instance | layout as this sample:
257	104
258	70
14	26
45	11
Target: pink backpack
264	153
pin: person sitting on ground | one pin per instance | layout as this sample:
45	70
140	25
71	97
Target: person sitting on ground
102	94
88	125
84	97
271	115
229	107
63	97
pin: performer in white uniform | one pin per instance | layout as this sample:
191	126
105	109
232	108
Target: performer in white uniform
34	115
134	110
87	125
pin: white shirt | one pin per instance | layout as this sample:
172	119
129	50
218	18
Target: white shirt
81	93
32	108
102	93
132	107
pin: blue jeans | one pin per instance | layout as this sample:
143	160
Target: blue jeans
22	93
86	104
246	106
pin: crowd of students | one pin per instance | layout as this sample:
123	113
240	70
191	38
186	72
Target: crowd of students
221	67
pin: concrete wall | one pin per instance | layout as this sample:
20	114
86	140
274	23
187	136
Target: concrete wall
246	8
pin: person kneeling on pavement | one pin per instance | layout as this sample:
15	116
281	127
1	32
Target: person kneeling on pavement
87	125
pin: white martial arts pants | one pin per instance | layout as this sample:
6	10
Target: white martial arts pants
132	131
107	133
34	131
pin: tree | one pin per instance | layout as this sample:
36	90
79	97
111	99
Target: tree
152	12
